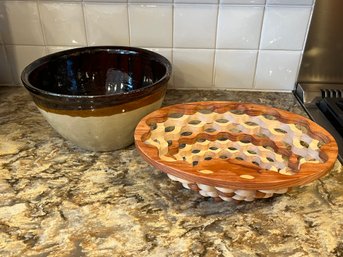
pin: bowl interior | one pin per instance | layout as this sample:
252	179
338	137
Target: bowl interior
104	71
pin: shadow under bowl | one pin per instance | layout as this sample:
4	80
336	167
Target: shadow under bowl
95	96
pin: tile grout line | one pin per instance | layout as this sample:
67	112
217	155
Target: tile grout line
219	89
42	27
7	60
128	21
12	70
259	47
172	43
215	49
6	57
84	22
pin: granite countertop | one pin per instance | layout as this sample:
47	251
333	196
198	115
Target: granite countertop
59	200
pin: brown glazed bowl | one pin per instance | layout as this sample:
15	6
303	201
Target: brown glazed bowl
95	96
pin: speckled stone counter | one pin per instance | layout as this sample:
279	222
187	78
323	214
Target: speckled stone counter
59	200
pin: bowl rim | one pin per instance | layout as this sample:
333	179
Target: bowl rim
45	59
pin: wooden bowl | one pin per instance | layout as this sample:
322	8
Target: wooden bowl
230	150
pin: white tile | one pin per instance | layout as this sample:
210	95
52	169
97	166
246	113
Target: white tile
67	0
195	25
107	1
150	1
5	71
285	28
63	23
19	23
291	2
55	49
242	1
193	68
277	70
20	56
196	1
239	26
107	24
166	52
235	68
151	25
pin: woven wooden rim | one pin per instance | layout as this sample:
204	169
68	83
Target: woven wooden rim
228	194
235	145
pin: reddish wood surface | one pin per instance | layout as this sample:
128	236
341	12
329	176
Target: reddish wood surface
228	173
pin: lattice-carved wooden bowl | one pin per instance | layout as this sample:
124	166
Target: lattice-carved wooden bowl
230	150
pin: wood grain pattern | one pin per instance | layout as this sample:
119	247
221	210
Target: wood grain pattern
235	145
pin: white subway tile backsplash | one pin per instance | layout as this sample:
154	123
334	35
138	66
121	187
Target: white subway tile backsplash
106	1
235	68
243	1
19	23
151	25
277	70
107	24
150	1
285	28
239	27
237	44
5	71
55	49
21	56
193	68
196	1
65	0
195	25
291	2
63	23
166	52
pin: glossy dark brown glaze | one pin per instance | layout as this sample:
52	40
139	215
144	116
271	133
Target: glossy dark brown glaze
95	77
155	96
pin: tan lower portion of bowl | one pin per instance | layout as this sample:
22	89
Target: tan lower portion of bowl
104	133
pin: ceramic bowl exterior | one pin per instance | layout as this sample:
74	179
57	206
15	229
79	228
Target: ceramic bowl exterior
95	96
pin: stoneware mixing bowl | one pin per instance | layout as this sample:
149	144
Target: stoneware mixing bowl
95	96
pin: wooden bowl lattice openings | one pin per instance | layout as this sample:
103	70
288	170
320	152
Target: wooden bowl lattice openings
231	150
